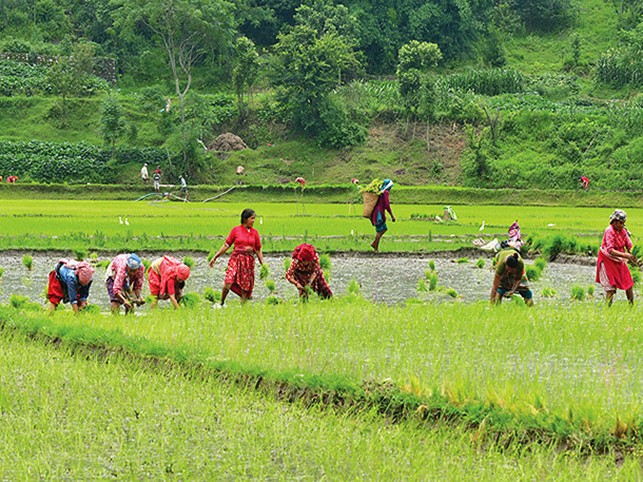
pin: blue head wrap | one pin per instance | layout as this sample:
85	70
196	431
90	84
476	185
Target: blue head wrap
133	261
387	184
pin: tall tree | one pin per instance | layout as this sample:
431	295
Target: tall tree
187	30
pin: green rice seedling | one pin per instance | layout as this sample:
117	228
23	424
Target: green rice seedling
211	255
212	295
146	264
432	265
532	272
80	254
577	293
451	292
20	302
540	263
273	300
549	292
325	262
287	262
270	284
636	274
1	272
462	260
190	300
189	262
27	261
433	281
90	310
353	287
149	299
480	264
93	257
103	264
422	288
590	291
264	272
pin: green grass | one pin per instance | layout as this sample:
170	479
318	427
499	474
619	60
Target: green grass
74	417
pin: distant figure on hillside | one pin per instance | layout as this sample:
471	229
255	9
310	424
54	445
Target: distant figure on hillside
69	282
184	187
510	278
157	179
616	251
12	179
378	216
166	277
145	175
584	182
306	273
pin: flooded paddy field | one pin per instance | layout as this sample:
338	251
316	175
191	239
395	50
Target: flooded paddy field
383	278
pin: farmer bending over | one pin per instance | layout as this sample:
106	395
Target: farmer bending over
305	272
69	282
125	276
166	278
510	278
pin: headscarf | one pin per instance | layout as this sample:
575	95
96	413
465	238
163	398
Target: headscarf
133	261
84	270
618	215
182	272
304	252
387	184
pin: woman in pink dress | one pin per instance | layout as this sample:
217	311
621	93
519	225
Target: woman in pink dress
611	269
240	275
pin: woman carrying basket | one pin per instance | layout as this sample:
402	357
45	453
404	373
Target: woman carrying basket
378	216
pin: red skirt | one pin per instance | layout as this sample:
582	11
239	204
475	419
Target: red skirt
618	274
319	284
241	273
55	293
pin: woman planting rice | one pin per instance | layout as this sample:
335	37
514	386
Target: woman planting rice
166	278
69	282
125	276
240	275
611	268
510	278
305	272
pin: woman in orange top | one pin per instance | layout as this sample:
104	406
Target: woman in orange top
240	275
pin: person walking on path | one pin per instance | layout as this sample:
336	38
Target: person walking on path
124	282
69	282
166	278
378	216
616	251
305	272
184	187
240	274
145	175
510	278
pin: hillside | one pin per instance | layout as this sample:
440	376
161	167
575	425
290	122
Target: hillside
540	120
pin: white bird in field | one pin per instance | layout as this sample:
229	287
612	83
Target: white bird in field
482	226
120	220
126	222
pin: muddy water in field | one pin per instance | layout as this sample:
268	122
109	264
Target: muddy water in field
384	278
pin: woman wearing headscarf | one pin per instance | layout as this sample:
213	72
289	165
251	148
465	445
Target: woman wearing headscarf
124	282
611	268
166	277
69	282
240	275
304	271
378	216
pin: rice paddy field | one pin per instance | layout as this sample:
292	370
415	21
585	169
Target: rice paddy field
344	389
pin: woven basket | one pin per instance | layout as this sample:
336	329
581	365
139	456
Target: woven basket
370	200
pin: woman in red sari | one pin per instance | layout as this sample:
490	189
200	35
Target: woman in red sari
240	275
305	271
611	269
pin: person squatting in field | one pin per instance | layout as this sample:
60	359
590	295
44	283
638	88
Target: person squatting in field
240	274
69	282
124	282
305	272
510	278
616	250
378	216
166	278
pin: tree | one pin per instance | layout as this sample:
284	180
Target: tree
187	30
312	58
113	124
246	67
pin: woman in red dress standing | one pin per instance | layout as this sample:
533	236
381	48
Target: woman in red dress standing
611	269
240	275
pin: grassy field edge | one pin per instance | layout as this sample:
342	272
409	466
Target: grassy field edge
489	423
